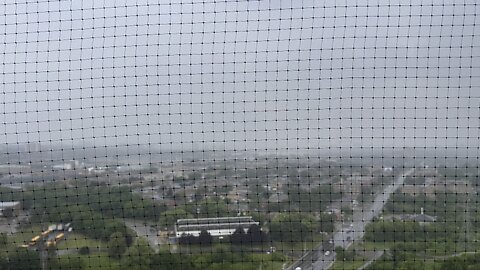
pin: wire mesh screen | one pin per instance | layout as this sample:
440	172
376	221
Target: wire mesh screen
239	134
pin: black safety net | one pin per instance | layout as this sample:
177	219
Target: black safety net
239	134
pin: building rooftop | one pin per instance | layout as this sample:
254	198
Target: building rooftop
8	204
207	221
215	226
418	218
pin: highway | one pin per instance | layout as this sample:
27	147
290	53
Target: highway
321	259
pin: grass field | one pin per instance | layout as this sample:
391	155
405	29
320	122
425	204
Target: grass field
24	236
299	247
76	241
374	246
100	261
430	262
256	261
353	265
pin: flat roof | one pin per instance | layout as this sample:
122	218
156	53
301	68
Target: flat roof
216	226
214	221
8	204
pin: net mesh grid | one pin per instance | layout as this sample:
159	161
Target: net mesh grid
237	134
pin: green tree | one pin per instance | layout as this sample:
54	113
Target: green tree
398	254
117	245
394	231
167	261
67	263
4	261
238	237
340	253
138	256
169	217
211	207
455	263
255	235
112	226
292	227
85	250
327	223
347	211
344	255
205	238
24	259
3	239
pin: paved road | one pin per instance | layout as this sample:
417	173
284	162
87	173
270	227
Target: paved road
319	258
144	230
8	226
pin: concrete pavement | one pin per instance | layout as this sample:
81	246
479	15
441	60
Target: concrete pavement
144	230
318	259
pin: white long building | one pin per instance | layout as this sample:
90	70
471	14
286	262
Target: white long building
215	226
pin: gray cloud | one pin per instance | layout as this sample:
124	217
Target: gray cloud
241	74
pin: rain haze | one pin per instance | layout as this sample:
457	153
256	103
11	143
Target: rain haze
240	75
239	134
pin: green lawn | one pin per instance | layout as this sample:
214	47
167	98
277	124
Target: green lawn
434	249
72	241
374	246
245	266
268	261
199	249
299	246
256	261
431	265
410	264
76	241
24	236
353	265
99	261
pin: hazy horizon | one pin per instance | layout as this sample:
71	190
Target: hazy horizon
240	75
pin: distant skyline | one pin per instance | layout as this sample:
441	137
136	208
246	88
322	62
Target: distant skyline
240	75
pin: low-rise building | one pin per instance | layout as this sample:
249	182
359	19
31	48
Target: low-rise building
9	209
432	186
223	226
353	185
422	219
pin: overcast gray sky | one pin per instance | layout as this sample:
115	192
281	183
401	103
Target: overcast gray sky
251	74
